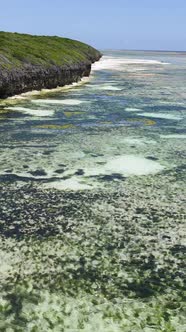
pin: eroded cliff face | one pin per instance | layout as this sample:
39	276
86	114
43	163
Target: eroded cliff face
29	62
32	77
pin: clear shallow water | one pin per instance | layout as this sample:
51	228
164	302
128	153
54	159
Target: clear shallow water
92	178
135	95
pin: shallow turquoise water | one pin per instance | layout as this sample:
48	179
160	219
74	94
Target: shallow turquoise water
93	200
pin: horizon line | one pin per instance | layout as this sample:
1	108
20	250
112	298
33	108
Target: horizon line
142	50
105	49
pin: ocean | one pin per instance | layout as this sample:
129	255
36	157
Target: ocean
92	180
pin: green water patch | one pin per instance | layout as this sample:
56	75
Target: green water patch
56	126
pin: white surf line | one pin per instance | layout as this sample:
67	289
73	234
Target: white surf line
115	63
33	112
58	101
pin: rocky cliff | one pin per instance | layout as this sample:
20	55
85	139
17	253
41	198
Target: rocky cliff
35	62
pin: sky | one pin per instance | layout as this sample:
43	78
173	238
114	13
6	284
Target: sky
104	24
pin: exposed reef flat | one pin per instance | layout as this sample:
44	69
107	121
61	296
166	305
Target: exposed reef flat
92	201
93	257
40	62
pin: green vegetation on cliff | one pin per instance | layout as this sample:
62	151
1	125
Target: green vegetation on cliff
21	49
41	62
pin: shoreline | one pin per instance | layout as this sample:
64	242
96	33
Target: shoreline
69	82
17	98
33	63
34	93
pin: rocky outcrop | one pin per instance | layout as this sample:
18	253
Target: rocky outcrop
37	62
32	77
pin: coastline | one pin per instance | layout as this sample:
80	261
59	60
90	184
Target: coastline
92	196
17	98
66	80
43	92
29	63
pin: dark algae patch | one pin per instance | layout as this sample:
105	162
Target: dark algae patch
89	264
38	172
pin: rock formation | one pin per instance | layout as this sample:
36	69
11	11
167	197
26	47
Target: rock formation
37	62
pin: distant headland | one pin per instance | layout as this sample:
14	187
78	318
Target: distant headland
30	62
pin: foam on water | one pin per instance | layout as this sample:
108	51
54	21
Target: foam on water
34	112
115	63
58	101
161	116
